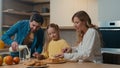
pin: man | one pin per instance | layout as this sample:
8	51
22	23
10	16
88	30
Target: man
26	32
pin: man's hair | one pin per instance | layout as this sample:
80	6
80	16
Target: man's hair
37	17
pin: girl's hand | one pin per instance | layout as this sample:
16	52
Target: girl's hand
40	57
67	50
59	56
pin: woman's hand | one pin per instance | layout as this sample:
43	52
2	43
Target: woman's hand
59	56
14	46
67	50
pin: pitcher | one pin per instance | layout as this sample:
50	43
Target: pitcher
23	52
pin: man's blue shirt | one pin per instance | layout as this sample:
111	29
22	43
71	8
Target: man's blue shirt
20	31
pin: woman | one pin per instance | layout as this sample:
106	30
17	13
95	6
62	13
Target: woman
89	46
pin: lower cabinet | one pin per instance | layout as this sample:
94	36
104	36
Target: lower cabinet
110	58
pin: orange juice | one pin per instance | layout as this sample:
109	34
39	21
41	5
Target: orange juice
2	44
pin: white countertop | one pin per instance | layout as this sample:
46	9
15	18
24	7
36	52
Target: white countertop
111	50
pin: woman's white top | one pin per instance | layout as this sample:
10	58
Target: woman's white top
89	48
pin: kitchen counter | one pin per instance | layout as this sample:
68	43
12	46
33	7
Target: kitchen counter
68	65
111	50
4	51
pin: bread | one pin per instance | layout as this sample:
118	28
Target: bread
53	60
34	63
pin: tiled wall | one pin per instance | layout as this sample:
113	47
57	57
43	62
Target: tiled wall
69	35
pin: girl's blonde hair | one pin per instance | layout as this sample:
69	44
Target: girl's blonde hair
48	39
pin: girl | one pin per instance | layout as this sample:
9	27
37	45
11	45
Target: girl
54	44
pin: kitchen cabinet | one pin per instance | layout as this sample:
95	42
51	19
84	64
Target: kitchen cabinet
110	58
63	10
15	10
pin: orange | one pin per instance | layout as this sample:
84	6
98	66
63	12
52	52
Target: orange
1	60
8	60
16	60
4	59
2	44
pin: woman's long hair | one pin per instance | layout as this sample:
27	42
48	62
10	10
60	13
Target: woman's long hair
83	17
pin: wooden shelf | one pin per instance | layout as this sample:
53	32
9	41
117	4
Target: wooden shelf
61	27
36	1
16	12
6	26
45	14
23	13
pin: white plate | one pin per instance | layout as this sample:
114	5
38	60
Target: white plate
60	62
43	66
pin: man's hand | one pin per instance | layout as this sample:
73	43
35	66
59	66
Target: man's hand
14	46
35	54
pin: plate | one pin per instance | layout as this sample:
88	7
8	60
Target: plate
43	66
60	62
50	61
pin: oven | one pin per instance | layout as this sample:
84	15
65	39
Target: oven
111	37
111	41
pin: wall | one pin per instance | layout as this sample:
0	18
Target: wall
63	10
69	35
109	10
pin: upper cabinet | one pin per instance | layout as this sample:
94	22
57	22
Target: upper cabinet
63	10
15	10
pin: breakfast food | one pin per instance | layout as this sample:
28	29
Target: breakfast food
16	60
8	60
54	60
1	60
34	63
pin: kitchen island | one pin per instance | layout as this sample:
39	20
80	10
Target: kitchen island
68	65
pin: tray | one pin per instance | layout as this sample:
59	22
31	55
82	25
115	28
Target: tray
43	66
